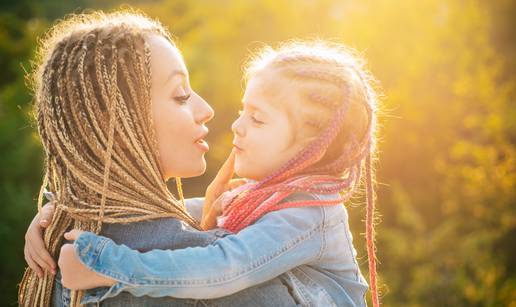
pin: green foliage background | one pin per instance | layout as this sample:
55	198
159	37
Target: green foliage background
446	177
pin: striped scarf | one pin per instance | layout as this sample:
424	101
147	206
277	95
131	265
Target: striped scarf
246	204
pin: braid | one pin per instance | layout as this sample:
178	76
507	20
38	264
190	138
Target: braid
111	132
180	191
370	233
93	107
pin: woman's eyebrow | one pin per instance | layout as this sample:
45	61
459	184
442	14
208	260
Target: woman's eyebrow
174	73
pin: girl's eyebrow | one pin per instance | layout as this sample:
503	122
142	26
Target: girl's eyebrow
253	107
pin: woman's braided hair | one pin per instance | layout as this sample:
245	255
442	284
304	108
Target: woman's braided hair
93	108
333	98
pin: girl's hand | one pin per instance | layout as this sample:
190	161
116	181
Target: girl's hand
221	183
75	275
209	217
35	252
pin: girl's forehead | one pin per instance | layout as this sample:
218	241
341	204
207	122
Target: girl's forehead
273	91
264	95
270	87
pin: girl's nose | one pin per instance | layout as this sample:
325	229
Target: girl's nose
204	112
237	127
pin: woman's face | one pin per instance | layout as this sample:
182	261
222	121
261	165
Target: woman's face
179	114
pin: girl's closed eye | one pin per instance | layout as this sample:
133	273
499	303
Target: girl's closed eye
256	121
253	117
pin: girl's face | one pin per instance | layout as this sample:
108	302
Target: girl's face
179	114
264	136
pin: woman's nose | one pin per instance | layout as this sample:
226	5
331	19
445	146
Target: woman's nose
237	127
204	112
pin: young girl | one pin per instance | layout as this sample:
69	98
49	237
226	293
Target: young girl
306	130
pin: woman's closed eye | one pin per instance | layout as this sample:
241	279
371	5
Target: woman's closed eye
182	99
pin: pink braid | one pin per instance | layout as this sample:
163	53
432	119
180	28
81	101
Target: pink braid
371	249
257	199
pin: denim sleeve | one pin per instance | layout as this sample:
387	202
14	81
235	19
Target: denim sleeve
278	242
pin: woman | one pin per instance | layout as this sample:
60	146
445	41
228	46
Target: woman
118	118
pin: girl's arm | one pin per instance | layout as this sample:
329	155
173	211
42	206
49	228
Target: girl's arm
278	242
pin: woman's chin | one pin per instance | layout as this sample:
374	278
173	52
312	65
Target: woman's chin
197	171
189	171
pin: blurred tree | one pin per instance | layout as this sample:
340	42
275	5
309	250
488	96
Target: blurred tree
446	192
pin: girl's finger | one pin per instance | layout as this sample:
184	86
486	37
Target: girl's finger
226	171
235	183
73	234
220	182
31	263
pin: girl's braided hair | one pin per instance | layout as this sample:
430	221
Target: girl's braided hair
334	98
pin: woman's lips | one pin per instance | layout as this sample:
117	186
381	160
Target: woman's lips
202	145
200	142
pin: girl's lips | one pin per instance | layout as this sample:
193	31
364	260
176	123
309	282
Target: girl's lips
238	149
202	145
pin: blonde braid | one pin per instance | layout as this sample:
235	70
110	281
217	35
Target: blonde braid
180	191
92	101
111	132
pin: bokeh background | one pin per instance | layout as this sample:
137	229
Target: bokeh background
446	229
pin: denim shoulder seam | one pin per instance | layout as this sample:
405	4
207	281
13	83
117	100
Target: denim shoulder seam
298	288
322	290
350	247
323	234
323	229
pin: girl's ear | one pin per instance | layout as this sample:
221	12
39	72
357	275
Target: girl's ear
301	144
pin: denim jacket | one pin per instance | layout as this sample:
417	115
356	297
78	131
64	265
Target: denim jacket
172	235
309	248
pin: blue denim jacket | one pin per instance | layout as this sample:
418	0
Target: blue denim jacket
309	248
173	235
